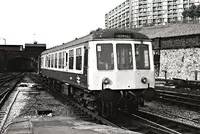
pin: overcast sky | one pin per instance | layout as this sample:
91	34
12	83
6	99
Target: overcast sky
52	21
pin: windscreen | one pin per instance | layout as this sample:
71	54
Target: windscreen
142	56
105	59
124	56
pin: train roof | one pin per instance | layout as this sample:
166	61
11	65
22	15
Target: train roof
101	34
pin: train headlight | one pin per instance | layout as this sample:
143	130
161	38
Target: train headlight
106	81
144	80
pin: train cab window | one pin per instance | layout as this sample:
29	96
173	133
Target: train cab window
142	56
71	59
56	60
78	59
105	57
124	56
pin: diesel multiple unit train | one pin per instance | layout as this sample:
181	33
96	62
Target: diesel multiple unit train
106	71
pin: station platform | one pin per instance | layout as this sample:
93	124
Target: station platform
59	125
24	119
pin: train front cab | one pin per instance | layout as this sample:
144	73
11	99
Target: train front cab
122	71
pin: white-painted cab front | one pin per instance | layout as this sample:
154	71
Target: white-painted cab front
120	79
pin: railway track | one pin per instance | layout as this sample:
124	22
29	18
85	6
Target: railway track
6	88
140	122
189	100
7	77
78	110
177	127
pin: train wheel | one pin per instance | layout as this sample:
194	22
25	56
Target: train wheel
141	102
108	109
109	99
83	103
49	82
98	107
133	107
133	103
72	92
149	94
105	109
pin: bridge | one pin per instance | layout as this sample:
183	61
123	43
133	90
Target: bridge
15	58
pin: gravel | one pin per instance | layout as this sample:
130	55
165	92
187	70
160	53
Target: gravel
174	112
37	100
30	100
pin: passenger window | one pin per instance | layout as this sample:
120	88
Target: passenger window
71	59
52	59
105	57
46	61
62	59
66	59
49	60
42	62
56	60
124	56
59	60
78	59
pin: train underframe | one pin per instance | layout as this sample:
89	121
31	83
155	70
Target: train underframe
106	102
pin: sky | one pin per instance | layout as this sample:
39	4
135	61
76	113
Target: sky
52	22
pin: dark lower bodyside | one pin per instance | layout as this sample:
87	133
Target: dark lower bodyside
79	80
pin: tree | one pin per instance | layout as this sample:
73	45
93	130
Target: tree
185	13
197	11
191	12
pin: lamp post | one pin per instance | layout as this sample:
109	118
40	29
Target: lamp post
4	40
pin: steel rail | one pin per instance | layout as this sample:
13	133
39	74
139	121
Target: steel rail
177	126
179	98
4	97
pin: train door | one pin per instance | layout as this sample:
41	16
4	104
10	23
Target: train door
85	66
66	66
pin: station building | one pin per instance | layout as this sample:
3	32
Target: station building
137	13
176	50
